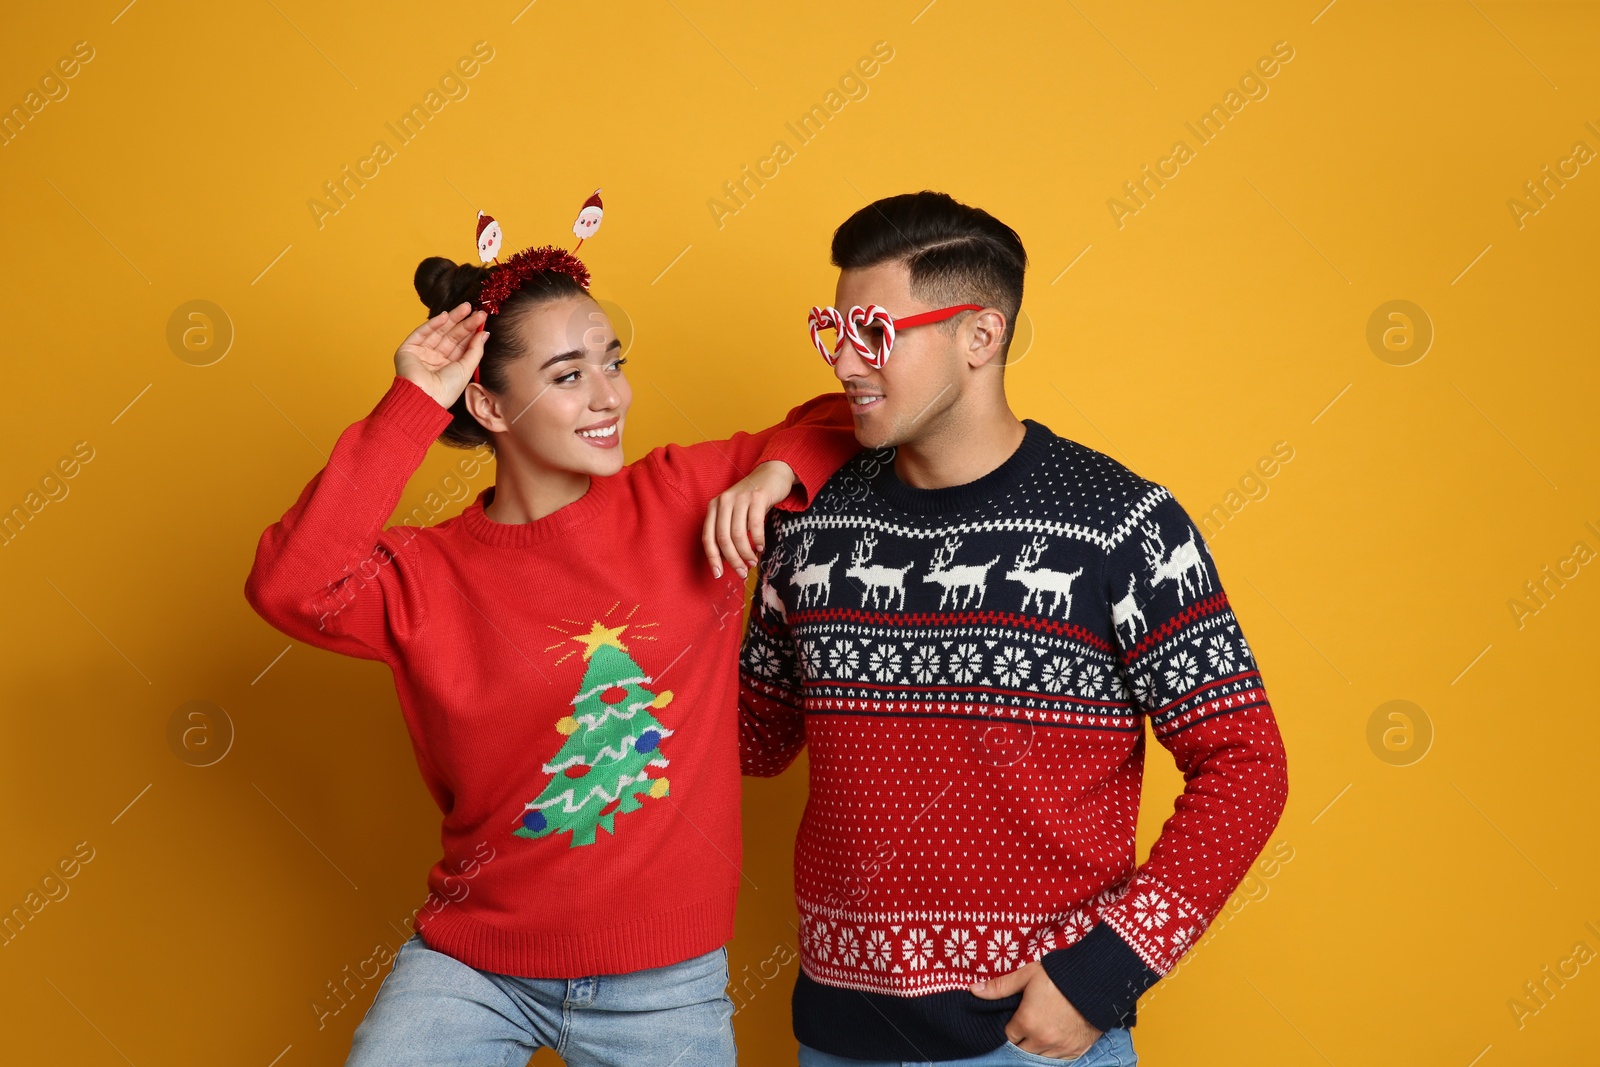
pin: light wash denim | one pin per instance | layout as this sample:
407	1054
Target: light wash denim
1114	1048
433	1009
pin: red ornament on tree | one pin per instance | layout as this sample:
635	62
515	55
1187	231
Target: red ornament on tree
614	695
577	770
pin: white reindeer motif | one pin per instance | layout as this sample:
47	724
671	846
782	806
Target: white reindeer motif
1041	581
1127	610
970	578
810	578
770	600
1176	567
874	578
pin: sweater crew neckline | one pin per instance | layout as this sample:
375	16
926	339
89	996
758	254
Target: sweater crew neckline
521	534
1034	448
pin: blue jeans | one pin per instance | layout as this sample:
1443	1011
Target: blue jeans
433	1009
1114	1048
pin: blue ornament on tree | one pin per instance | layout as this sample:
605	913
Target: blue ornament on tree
647	740
533	820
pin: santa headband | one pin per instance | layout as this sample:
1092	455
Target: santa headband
506	278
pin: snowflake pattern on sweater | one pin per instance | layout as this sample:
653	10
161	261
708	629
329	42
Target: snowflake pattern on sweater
971	669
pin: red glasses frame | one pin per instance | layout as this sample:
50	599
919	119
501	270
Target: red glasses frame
849	326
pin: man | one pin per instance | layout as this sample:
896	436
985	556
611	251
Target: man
968	629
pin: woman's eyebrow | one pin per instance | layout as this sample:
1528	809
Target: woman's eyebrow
553	360
576	354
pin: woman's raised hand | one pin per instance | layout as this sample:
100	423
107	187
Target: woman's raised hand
440	355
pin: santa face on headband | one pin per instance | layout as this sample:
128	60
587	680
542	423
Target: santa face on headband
488	238
589	217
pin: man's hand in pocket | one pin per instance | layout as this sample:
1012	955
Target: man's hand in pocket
1045	1023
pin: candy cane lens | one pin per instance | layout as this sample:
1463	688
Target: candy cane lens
875	318
823	318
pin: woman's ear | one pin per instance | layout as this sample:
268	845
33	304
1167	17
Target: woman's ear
988	334
482	405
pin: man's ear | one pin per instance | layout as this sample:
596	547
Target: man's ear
988	335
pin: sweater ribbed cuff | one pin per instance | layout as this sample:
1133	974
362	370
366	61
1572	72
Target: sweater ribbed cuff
814	447
406	408
1101	975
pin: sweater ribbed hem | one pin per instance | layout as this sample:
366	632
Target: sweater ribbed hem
612	944
951	1025
1102	976
1100	981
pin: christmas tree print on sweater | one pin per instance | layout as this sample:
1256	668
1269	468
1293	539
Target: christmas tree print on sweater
613	742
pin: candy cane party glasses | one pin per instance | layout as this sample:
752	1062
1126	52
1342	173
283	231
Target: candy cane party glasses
850	324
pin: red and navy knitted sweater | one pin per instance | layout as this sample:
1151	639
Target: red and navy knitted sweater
971	669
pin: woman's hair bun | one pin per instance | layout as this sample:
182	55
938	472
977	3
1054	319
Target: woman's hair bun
436	281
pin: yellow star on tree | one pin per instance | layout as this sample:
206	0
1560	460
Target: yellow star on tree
601	635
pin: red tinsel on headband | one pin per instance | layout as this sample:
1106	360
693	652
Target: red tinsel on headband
509	276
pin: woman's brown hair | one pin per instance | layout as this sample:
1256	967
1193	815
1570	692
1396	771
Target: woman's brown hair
444	284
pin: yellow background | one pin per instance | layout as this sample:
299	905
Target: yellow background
1228	314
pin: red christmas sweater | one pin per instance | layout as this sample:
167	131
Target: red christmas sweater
569	684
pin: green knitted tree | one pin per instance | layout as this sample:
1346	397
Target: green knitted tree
611	740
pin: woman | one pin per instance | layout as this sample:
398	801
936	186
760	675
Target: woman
566	666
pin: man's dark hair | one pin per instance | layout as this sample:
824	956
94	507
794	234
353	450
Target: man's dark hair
956	254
